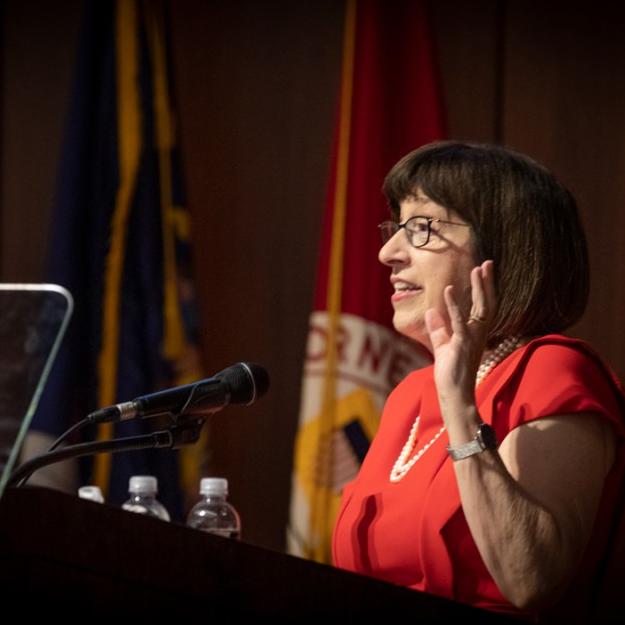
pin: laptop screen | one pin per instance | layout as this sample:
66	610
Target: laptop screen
33	319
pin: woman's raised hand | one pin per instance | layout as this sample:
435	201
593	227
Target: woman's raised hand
459	340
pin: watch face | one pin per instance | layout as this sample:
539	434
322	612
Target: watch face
486	436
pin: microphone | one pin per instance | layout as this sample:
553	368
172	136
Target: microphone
242	383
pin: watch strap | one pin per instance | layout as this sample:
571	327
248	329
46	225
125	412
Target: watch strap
464	451
484	439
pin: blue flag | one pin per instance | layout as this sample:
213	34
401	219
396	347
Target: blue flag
120	243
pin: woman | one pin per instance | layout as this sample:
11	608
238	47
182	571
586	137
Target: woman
494	472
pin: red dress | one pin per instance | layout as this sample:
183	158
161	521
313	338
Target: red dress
413	532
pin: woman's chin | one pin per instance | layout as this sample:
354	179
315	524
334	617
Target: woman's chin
415	331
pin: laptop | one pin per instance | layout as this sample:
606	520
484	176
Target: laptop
33	320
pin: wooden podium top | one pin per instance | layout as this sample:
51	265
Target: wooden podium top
62	554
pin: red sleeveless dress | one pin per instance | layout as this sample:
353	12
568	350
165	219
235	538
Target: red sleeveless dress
413	532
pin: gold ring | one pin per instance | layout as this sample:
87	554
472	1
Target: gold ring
478	319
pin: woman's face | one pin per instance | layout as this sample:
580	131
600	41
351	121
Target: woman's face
420	275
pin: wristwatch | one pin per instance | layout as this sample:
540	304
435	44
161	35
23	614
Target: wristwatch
484	439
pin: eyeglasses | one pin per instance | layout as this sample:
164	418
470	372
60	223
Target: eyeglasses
417	229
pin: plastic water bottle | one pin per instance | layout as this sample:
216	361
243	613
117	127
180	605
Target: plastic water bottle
92	493
142	490
213	513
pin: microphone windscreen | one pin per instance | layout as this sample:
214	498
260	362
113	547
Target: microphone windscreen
261	378
247	381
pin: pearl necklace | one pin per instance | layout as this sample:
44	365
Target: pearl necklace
402	464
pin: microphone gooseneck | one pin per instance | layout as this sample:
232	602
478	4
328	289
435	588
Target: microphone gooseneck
242	383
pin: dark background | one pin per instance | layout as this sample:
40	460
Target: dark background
256	87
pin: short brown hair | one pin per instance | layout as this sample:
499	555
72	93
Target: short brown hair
522	218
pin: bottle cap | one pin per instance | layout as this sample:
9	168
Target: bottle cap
144	484
93	493
214	486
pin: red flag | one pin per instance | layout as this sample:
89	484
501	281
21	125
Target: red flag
389	104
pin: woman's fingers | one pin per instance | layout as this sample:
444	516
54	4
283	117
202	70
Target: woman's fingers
483	306
456	319
482	294
479	308
488	280
436	326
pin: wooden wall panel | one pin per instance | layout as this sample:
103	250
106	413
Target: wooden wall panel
38	42
565	105
257	87
467	40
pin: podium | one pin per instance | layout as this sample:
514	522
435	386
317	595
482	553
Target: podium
64	555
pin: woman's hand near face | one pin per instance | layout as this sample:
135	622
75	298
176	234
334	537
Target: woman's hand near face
458	342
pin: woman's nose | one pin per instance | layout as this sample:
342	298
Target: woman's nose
395	250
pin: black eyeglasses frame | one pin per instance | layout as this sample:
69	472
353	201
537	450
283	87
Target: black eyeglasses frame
395	227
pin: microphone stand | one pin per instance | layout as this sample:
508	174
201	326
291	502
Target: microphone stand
185	431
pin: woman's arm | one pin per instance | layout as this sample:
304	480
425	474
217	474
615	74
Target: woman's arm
531	504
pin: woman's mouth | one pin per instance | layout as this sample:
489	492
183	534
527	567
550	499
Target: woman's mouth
404	290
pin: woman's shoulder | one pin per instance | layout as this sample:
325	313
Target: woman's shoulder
558	345
557	354
556	374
